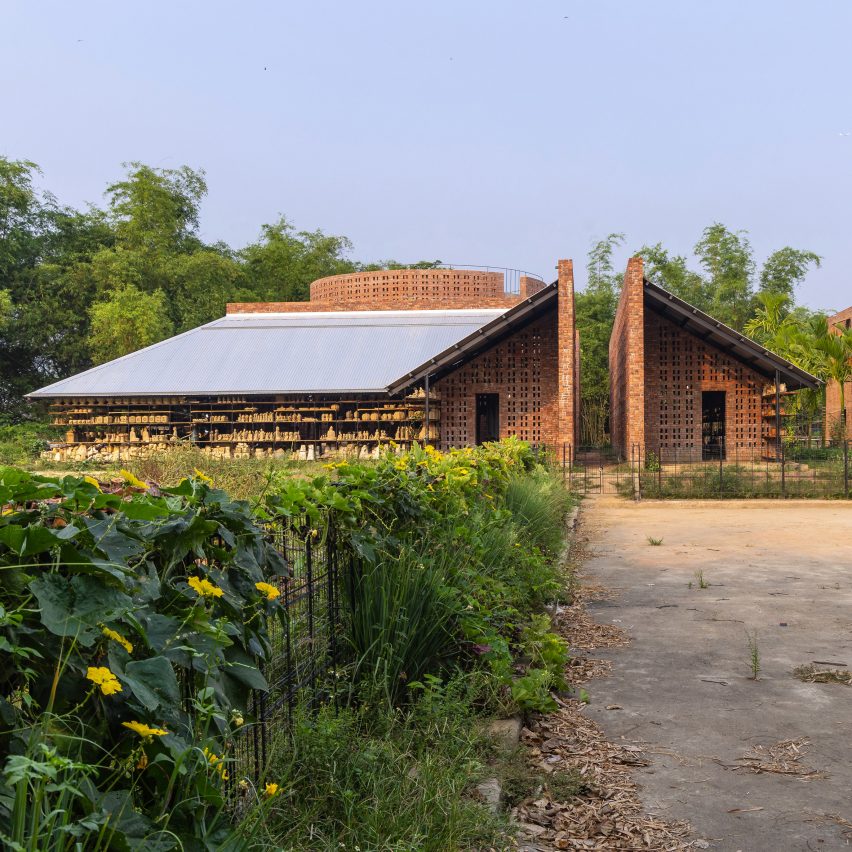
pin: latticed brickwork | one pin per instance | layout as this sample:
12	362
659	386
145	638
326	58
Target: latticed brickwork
523	370
679	367
658	373
408	285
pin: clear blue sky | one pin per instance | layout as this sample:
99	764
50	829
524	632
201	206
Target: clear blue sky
476	131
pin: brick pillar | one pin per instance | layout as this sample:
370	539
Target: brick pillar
627	364
634	282
567	375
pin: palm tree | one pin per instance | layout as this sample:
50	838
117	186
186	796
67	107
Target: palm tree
771	319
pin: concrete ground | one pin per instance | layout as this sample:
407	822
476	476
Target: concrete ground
682	688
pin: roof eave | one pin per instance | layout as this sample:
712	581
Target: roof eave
739	345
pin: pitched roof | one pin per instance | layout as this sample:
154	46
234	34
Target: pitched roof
310	352
724	337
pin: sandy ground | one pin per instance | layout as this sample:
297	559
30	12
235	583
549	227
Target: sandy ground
682	687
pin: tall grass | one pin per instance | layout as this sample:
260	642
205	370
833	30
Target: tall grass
539	501
402	625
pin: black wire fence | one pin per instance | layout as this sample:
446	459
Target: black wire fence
308	637
795	469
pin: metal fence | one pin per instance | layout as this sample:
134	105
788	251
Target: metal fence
799	469
307	638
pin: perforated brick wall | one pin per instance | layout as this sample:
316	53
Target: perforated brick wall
679	367
408	285
523	370
658	372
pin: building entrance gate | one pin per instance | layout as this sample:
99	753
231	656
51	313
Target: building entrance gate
712	425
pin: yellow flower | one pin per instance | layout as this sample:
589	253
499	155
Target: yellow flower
202	476
204	588
144	730
117	637
271	789
104	678
131	480
239	721
268	589
92	481
216	762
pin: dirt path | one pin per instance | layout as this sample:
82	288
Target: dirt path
752	765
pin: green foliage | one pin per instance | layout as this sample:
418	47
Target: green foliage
382	779
22	442
77	286
283	263
128	320
595	311
129	604
403	624
125	608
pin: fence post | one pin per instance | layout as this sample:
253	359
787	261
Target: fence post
721	480
563	462
783	469
846	468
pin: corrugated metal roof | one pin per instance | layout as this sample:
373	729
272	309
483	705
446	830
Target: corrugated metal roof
310	352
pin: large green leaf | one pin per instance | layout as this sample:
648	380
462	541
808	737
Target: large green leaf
25	541
153	682
74	606
242	667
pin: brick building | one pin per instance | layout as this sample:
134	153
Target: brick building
686	387
839	322
453	356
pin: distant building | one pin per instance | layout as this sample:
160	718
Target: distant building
451	356
833	415
686	387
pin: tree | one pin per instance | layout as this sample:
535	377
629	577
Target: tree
726	257
283	263
156	210
671	273
595	312
785	269
127	321
771	319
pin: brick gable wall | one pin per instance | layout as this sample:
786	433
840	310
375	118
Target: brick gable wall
679	367
524	371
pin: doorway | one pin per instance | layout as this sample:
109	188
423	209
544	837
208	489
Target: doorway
713	425
487	417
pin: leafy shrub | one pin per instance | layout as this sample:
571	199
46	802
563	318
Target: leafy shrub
135	623
21	443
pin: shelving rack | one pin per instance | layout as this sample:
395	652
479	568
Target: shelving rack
241	426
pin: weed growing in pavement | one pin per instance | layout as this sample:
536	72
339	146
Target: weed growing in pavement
753	654
654	542
702	583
